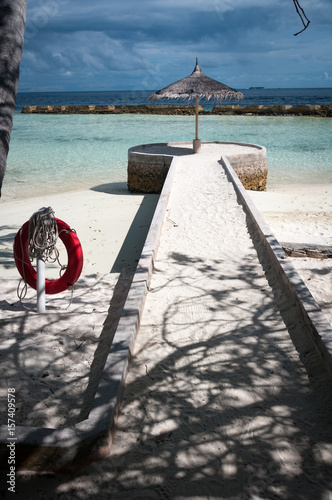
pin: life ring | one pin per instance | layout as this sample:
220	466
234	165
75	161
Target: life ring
74	253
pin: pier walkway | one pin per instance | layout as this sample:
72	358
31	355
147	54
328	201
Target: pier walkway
225	397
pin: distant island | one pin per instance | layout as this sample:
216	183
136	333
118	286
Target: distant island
256	88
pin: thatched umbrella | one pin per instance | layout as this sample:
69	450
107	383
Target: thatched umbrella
197	86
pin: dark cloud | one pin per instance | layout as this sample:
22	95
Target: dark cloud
79	44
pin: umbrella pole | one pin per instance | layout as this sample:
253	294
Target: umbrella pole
196	118
196	142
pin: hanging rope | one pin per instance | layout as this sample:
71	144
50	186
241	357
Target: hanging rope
43	235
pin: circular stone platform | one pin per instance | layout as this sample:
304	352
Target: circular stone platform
148	164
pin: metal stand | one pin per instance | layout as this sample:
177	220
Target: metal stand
41	308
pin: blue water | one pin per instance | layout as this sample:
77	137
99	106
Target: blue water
266	97
56	153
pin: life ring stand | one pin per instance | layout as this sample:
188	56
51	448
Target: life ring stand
74	252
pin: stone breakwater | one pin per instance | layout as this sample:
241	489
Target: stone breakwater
183	109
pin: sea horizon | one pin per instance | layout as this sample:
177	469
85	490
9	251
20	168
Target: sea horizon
154	90
253	95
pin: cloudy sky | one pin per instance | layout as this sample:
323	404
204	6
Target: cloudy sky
147	44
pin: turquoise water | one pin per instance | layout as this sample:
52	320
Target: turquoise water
49	154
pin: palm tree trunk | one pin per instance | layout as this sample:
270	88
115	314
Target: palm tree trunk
12	21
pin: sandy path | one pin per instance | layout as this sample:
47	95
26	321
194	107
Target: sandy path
217	404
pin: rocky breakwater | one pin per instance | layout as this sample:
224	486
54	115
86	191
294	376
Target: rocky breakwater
324	111
183	109
68	110
148	164
110	109
158	109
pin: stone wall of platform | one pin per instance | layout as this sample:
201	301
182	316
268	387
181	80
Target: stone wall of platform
147	171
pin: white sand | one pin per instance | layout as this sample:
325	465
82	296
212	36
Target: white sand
217	403
298	213
101	219
303	214
70	341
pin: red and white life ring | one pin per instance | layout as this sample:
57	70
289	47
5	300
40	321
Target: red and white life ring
74	265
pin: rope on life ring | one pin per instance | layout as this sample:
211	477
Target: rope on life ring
74	253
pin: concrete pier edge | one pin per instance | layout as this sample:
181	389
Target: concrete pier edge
68	449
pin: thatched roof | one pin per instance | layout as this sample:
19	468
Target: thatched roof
197	85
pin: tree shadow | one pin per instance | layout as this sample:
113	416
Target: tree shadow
88	326
222	409
225	398
6	246
227	410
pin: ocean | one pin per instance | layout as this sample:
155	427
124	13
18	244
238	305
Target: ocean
53	153
266	97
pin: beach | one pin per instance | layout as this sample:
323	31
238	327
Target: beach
112	224
302	214
102	218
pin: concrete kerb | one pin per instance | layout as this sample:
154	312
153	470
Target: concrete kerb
69	448
319	330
